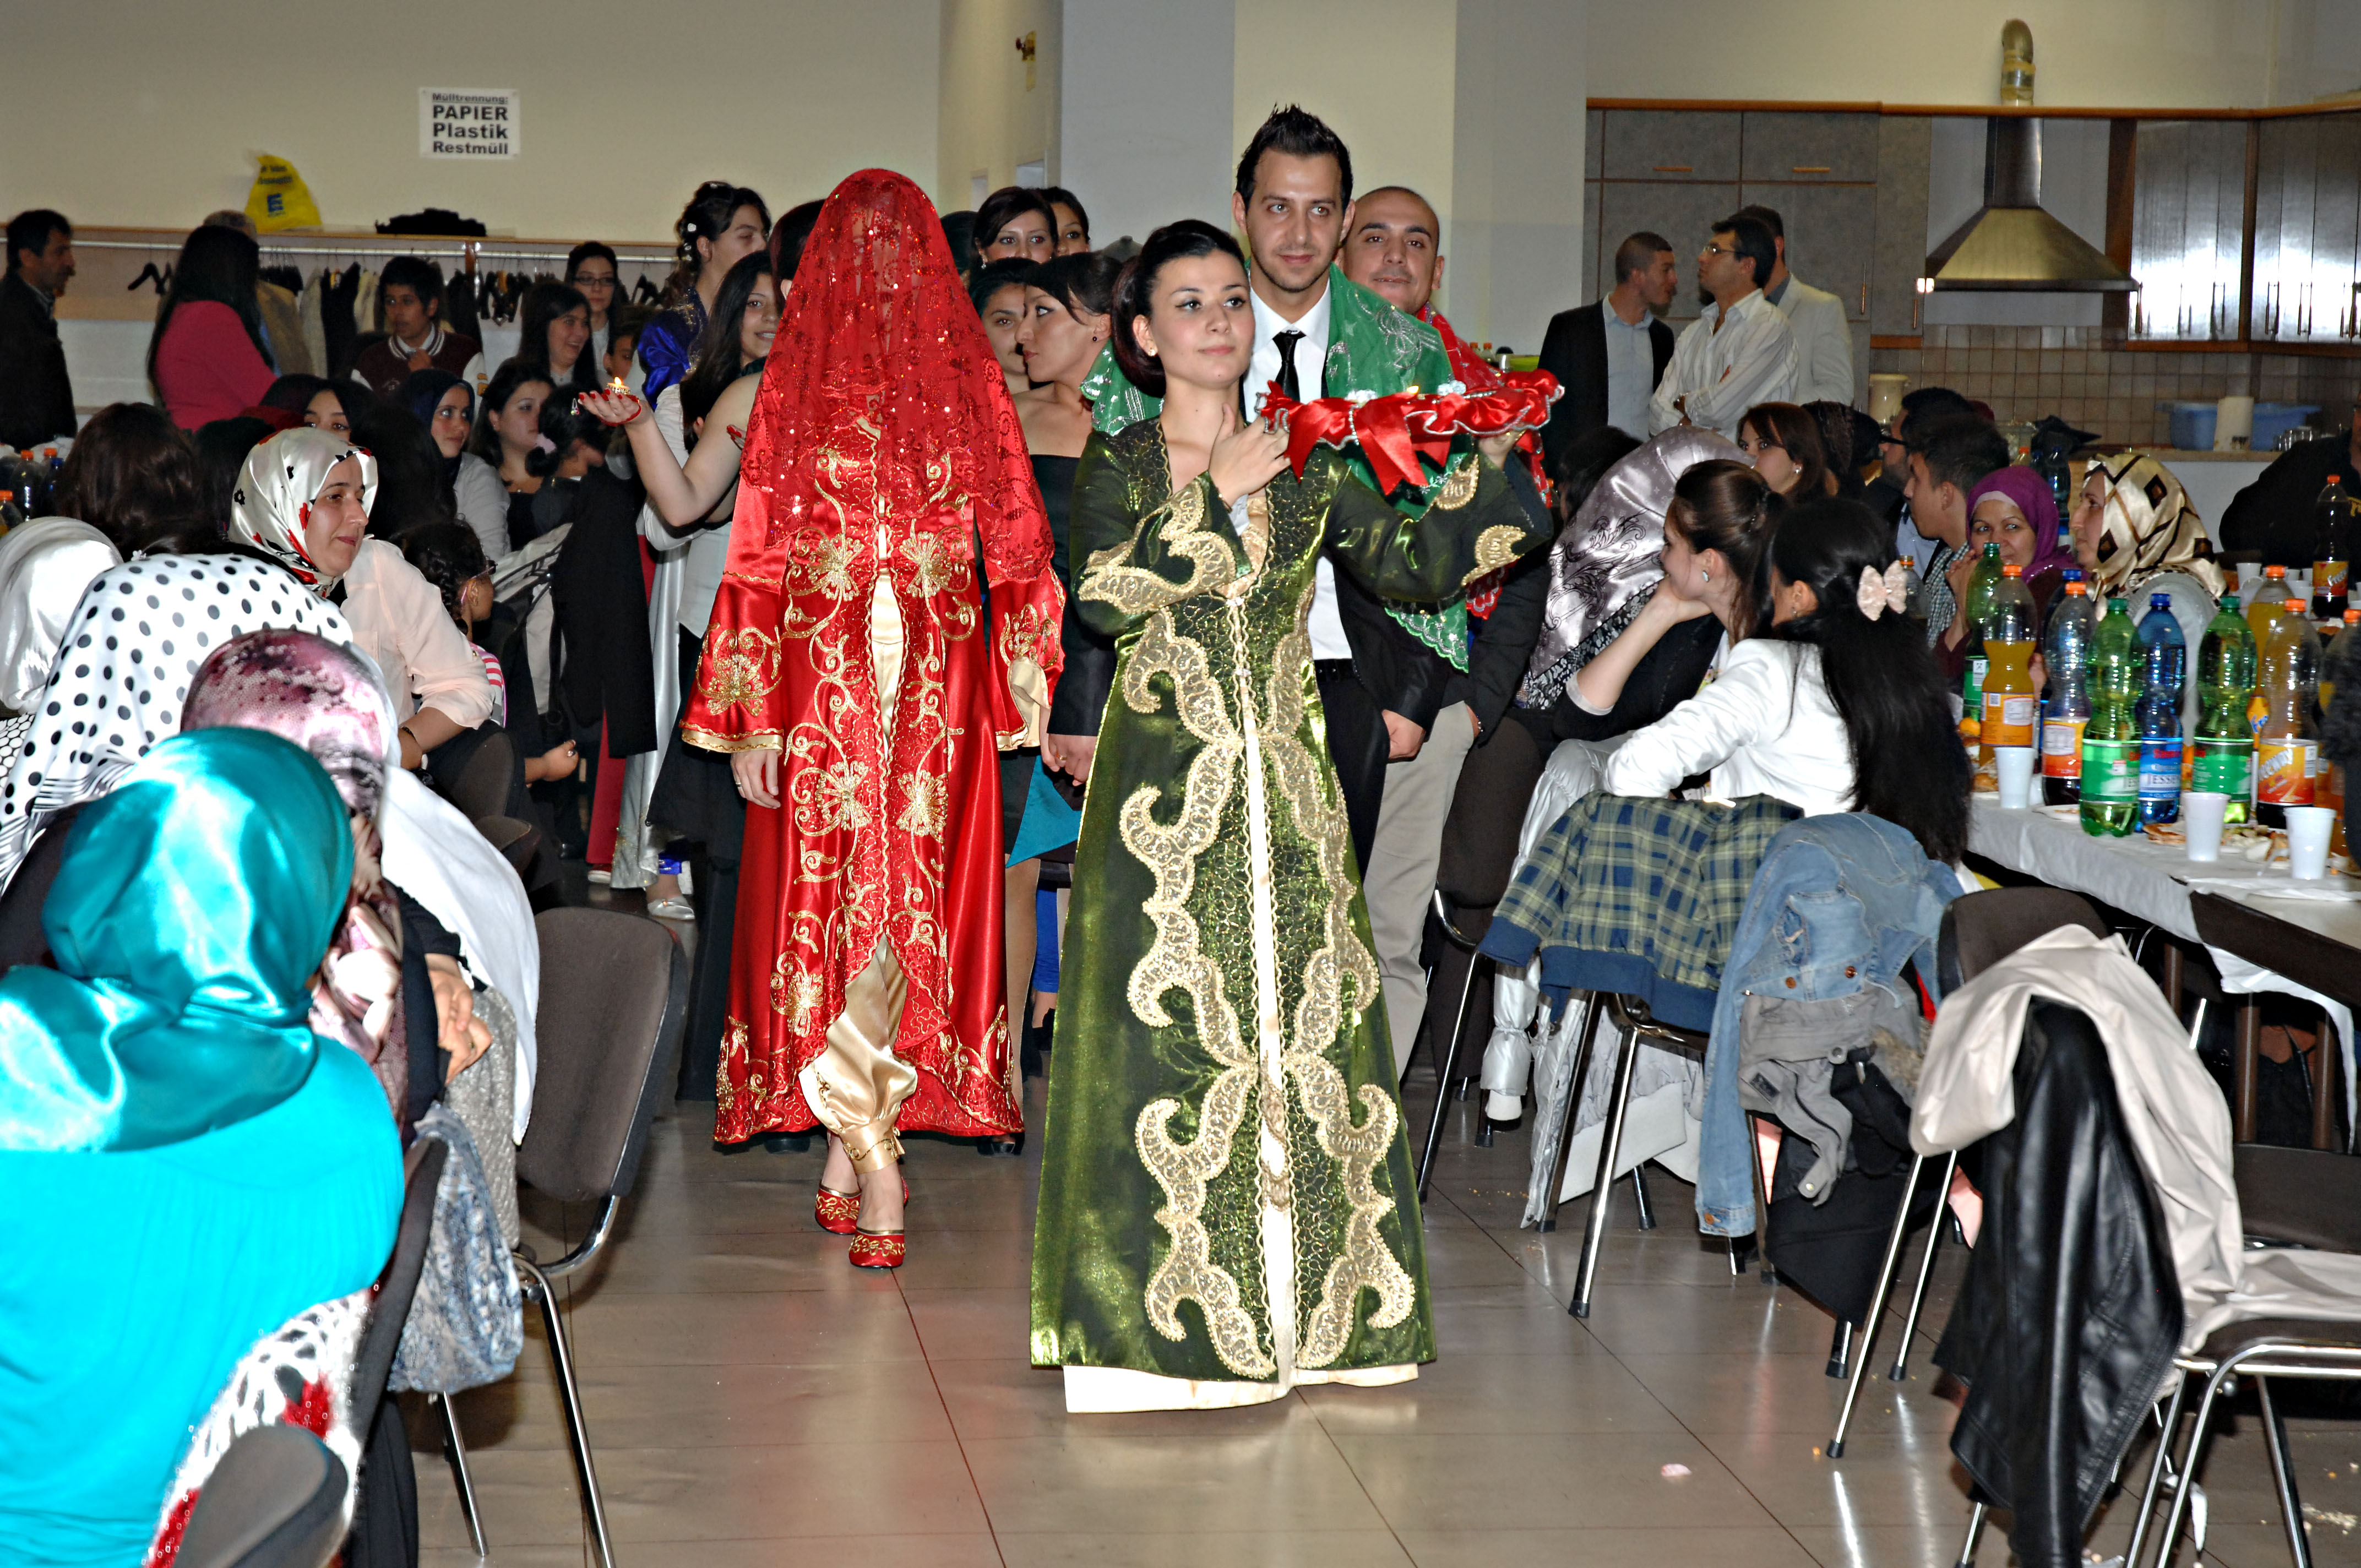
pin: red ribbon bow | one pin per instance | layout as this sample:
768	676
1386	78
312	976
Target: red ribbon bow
1395	433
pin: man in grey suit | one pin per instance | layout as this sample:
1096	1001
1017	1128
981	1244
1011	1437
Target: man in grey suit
1816	318
1609	368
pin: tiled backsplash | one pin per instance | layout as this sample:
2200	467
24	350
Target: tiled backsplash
2086	377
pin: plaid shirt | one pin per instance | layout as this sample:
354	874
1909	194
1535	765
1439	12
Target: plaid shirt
1621	889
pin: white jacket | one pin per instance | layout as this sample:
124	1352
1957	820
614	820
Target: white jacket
1823	343
1764	726
398	619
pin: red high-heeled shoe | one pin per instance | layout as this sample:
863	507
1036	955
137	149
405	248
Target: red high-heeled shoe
872	1251
839	1214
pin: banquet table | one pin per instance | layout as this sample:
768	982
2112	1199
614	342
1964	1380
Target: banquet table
2265	931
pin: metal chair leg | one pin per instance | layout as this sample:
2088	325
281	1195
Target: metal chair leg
454	1449
2187	1481
1877	1297
1762	1205
2157	1468
1556	1175
1926	1270
1594	1238
1841	1352
2283	1475
1975	1535
1639	1196
1443	1079
562	1361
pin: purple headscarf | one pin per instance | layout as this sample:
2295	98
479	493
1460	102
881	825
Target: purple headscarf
2030	494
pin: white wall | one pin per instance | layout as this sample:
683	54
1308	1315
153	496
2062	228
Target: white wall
143	114
1513	241
993	115
1145	112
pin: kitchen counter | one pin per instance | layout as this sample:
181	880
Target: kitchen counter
2211	478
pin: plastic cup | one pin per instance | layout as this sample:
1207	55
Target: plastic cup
2016	765
2200	822
2307	831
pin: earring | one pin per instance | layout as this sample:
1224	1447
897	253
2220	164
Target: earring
1704	575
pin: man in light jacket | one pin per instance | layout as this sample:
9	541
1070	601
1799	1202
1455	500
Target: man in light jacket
1823	336
1739	352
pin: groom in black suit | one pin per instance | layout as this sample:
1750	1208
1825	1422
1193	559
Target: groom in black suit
1577	350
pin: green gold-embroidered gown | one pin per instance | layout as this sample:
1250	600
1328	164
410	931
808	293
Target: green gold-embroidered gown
1227	1204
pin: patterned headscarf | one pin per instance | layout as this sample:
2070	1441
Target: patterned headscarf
327	701
2150	527
123	670
283	477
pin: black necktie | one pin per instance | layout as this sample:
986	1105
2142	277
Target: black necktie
1288	384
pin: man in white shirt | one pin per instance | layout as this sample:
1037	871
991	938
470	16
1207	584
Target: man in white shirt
1823	336
1739	352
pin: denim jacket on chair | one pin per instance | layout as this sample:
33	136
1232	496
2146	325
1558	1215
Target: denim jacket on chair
1840	903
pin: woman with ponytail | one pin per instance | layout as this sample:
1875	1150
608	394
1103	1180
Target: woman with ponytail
1833	704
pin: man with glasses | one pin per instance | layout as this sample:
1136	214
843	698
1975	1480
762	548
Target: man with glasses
2274	513
1823	338
1739	352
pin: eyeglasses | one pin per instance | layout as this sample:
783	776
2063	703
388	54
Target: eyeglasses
1718	250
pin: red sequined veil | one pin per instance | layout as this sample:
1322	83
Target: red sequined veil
883	440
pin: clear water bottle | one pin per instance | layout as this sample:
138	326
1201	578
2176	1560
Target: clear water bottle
2164	659
2066	707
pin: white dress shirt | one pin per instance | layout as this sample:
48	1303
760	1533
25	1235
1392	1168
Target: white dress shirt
1751	360
1765	725
1631	368
1823	341
1328	626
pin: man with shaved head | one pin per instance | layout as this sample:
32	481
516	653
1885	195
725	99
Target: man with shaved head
1609	355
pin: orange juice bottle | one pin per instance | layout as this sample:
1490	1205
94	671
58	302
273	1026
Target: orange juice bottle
2287	746
2012	707
2268	602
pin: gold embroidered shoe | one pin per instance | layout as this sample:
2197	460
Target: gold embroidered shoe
837	1213
869	1251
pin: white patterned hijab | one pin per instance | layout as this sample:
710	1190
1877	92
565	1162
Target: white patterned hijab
281	478
123	671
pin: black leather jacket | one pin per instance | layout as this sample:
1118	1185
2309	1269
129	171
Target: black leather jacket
2067	1323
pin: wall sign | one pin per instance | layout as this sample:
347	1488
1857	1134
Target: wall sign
475	123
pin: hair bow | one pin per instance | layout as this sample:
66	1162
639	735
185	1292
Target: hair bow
1882	591
543	444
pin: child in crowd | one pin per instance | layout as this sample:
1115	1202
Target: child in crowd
448	555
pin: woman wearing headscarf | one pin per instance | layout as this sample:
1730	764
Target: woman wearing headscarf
2136	535
303	500
45	564
2014	508
445	406
201	1191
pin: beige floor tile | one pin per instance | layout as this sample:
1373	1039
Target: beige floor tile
1004	1399
791	1328
1554	1480
705	1407
526	1497
1879	1482
940	1260
1517	1319
1083	1481
757	1493
1774	1393
1688	1547
963	1549
1498	1394
1471	1258
1932	1544
1734	1316
984	1322
706	1262
507	1556
1305	1549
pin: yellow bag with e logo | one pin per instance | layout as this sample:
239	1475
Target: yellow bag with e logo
280	198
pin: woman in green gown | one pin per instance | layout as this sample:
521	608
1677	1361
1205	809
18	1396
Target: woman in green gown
1228	1207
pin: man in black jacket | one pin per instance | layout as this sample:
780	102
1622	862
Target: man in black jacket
36	399
2274	513
1600	362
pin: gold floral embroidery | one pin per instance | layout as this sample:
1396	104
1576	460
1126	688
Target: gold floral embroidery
933	564
1136	590
797	993
1458	485
825	565
1495	548
926	802
733	1054
742	670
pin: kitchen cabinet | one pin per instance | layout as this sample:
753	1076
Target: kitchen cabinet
1671	143
1906	145
2189	228
1815	148
2307	191
1683	213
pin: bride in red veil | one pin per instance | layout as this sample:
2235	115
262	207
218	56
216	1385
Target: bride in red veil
864	681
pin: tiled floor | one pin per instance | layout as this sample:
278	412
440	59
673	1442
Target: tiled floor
754	1400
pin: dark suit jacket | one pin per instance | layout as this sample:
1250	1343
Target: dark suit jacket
36	399
1576	353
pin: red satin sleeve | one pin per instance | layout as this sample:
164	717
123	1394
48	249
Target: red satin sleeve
736	704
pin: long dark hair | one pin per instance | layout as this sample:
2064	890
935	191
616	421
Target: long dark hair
1004	207
293	393
448	555
563	427
412	487
484	441
715	364
1084	282
1134	291
1793	429
220	264
1725	505
134	476
544	304
788	238
706	217
1908	764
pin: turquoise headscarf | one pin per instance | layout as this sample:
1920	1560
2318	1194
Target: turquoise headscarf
192	905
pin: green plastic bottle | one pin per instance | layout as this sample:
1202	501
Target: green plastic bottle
1982	582
2223	750
2111	740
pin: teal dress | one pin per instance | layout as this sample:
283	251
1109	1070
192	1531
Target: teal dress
184	1166
1227	1206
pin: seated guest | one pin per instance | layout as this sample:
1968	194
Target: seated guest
135	476
1827	699
507	433
446	406
304	502
448	555
410	301
1949	457
2136	534
997	291
1073	223
35	393
1015	224
2014	508
1739	352
317	402
205	357
1887	493
2274	513
1784	442
45	564
222	450
554	333
161	1088
1610	355
1850	439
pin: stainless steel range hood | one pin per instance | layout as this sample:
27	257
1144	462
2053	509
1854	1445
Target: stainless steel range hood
2011	243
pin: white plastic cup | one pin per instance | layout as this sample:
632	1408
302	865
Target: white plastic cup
2015	775
2201	812
2307	831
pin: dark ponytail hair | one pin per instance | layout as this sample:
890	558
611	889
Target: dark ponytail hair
1134	291
565	426
1908	764
1723	504
707	218
714	364
1084	282
448	555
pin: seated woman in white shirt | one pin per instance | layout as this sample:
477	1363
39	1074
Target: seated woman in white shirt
1834	706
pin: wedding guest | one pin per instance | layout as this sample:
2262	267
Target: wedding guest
1610	355
997	291
592	269
721	224
1073	223
1823	334
1015	224
508	429
205	357
1740	351
446	406
36	394
1784	442
134	476
554	333
409	298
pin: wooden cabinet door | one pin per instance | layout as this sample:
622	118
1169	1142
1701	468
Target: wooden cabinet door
1671	143
1683	213
1832	236
1825	147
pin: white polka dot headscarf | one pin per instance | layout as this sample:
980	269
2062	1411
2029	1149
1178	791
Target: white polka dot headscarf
283	477
123	672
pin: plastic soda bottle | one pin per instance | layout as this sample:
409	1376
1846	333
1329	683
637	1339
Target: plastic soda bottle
2066	650
2268	601
2011	707
2111	738
2331	549
2164	660
2287	748
1981	582
2222	750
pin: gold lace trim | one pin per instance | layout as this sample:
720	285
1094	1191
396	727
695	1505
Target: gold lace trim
1111	579
1458	485
1495	548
